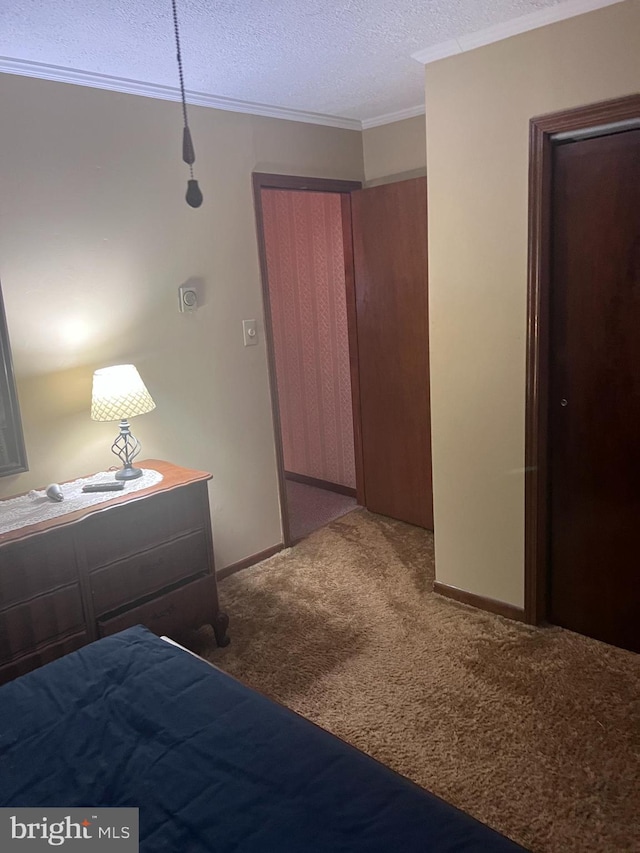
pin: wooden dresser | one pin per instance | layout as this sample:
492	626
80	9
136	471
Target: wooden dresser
139	558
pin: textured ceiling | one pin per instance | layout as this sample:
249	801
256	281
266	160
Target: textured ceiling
348	58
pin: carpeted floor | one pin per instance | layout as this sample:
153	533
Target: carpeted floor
535	732
311	508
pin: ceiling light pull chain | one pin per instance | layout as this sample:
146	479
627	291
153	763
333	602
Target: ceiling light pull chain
194	195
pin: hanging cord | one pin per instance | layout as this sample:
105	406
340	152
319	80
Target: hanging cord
194	195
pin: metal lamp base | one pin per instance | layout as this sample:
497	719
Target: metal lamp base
128	473
126	447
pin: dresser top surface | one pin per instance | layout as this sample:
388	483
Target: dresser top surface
173	477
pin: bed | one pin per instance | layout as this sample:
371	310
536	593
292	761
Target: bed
132	720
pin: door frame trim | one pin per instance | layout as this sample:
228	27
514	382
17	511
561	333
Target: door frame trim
541	131
263	180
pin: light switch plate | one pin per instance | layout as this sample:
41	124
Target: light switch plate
250	332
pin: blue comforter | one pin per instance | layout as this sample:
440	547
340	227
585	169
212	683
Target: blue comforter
212	765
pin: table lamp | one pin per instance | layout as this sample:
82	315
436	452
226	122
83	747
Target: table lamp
119	394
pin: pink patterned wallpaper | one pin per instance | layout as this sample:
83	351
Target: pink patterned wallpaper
305	264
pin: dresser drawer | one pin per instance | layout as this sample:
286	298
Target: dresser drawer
148	572
125	530
39	620
35	565
43	655
172	614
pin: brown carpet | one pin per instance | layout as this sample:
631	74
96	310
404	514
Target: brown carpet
535	732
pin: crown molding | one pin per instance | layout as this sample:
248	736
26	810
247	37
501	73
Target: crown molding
498	32
389	118
61	74
437	51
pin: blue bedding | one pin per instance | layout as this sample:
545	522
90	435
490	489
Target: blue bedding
212	765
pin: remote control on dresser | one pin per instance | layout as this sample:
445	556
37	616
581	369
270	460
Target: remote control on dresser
103	487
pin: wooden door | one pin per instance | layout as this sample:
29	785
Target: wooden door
594	389
390	255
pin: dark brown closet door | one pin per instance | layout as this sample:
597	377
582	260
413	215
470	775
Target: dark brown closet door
390	251
594	400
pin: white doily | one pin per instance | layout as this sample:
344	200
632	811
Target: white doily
36	506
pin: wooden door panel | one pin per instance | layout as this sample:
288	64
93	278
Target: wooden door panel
594	391
390	254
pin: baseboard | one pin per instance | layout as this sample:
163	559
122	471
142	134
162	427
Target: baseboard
320	484
248	561
509	611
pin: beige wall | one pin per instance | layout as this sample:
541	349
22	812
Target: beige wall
394	151
95	239
478	108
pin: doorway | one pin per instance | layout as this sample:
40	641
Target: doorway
382	232
304	232
583	379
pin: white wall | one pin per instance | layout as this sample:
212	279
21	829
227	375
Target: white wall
95	238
